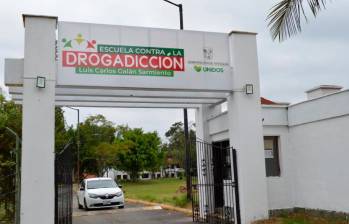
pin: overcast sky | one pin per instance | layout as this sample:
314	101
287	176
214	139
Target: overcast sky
318	56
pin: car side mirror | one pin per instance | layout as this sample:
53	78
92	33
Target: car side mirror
120	186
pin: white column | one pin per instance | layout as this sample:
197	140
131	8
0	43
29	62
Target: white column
204	161
245	128
37	196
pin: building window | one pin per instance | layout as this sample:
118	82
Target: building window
271	154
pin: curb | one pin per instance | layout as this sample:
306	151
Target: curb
187	212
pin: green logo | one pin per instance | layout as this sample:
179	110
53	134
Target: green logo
198	68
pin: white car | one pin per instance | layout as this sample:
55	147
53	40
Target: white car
100	193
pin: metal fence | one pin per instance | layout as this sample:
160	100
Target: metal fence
8	198
215	197
64	186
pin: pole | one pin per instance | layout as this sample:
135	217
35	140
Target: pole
186	128
185	116
187	154
78	145
180	6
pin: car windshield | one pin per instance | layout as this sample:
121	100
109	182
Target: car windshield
95	184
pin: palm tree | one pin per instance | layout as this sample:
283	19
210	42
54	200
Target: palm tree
285	17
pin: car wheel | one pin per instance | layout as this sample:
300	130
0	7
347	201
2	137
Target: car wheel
85	204
121	207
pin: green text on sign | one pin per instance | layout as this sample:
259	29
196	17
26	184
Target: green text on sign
120	49
123	71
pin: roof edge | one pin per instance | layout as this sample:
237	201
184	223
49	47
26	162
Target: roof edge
241	32
24	16
336	87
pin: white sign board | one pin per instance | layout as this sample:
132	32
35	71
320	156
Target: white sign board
268	154
135	57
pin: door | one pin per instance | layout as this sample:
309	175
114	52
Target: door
221	193
221	170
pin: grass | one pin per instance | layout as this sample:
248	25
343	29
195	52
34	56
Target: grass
304	218
166	191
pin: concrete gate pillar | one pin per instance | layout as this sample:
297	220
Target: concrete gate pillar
245	128
204	161
37	195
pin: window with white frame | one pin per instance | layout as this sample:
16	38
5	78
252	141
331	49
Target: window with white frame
271	154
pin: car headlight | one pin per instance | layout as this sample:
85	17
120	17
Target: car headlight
93	195
119	194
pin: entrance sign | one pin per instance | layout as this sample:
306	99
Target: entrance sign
137	57
125	60
117	66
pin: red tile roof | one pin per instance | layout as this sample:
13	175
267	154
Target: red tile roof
265	101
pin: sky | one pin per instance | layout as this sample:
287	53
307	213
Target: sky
319	55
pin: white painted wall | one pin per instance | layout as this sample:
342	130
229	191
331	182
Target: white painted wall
313	151
325	107
281	189
321	164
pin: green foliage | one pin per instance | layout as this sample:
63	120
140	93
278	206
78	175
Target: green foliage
180	201
11	117
105	155
175	149
137	150
285	17
63	134
305	217
96	135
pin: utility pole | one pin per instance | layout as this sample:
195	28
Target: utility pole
18	174
185	117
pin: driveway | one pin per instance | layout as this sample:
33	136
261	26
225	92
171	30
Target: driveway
131	214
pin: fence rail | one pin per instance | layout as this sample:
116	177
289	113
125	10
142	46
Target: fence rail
215	198
8	198
64	186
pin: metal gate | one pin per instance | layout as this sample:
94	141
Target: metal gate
215	197
64	186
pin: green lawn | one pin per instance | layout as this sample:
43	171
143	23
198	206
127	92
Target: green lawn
304	218
166	191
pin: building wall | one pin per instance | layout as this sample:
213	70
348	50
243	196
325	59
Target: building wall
313	152
321	164
281	188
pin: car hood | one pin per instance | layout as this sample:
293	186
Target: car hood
102	191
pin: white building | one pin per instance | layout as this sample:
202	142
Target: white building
121	175
306	150
306	144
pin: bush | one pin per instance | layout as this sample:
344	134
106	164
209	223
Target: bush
180	201
180	175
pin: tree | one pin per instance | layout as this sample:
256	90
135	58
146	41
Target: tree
137	151
93	132
105	155
176	146
63	134
11	117
285	17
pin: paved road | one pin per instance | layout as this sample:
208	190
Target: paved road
131	214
